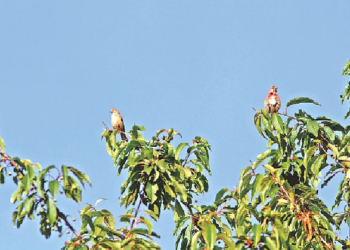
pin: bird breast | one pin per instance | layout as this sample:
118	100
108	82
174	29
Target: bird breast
272	100
116	121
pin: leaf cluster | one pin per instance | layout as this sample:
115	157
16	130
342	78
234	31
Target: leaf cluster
37	190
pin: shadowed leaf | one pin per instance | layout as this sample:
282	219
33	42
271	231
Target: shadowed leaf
299	100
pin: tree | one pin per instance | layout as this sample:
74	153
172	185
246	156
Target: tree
275	205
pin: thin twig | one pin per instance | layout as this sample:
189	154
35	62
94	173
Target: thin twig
67	222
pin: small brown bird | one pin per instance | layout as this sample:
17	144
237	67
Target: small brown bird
272	101
118	123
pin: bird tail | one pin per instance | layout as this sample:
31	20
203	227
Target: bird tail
123	136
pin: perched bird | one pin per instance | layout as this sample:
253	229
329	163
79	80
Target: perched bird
272	101
118	123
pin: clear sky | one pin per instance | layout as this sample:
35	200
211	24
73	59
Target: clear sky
196	66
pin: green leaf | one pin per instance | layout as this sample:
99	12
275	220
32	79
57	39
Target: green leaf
162	165
141	231
111	231
28	205
151	191
329	134
52	211
315	167
86	219
109	219
14	217
209	234
308	155
65	175
257	184
257	229
180	190
220	194
270	244
26	182
262	157
41	180
346	93
312	127
229	243
16	195
346	70
298	100
53	187
180	222
148	224
347	115
179	149
2	144
152	214
80	175
270	168
195	240
334	150
277	123
2	175
178	209
257	121
98	221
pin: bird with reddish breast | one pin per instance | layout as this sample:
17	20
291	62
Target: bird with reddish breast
118	123
272	101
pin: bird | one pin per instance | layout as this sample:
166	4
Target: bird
272	101
118	123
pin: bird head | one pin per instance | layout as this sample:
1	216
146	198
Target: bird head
114	110
273	89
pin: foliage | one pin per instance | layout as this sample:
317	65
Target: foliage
157	175
37	190
276	204
98	232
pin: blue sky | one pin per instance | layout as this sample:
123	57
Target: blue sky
196	66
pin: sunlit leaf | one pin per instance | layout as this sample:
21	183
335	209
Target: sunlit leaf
209	234
346	70
257	184
152	214
99	200
270	244
148	224
257	229
334	150
277	123
270	168
195	240
229	243
151	190
262	157
2	144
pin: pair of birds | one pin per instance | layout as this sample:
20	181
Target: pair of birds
272	104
